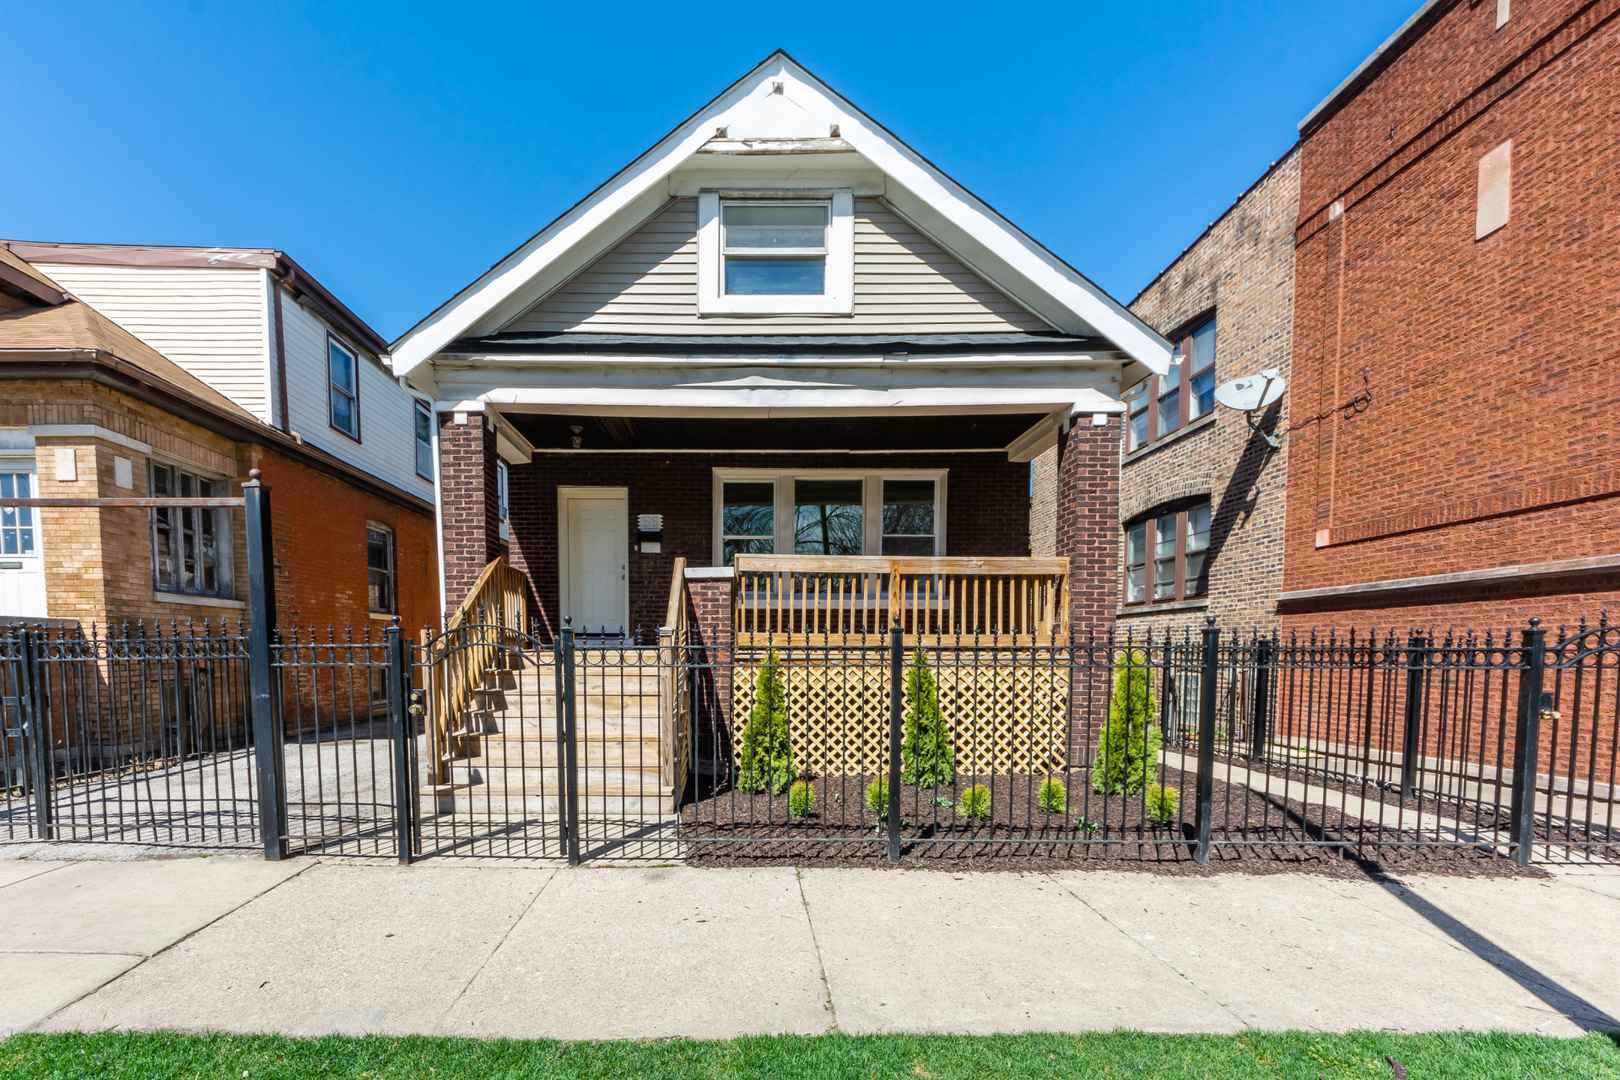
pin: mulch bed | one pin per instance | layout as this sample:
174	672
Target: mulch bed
731	828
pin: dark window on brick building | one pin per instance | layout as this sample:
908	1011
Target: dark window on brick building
1162	404
191	546
1167	555
380	569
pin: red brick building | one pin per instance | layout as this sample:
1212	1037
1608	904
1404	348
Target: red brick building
1455	399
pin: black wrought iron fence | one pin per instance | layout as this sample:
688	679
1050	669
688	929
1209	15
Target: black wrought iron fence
1193	745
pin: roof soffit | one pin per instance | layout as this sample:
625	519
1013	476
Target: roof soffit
778	101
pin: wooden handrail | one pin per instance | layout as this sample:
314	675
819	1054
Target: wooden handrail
675	690
795	596
494	612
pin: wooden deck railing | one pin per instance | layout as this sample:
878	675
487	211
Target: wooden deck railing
675	688
782	598
497	603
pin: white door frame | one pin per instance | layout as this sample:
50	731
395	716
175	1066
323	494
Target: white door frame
564	496
23	461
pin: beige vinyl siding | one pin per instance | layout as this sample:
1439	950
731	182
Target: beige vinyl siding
387	446
211	321
904	283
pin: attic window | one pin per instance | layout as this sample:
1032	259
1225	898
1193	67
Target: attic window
776	254
775	248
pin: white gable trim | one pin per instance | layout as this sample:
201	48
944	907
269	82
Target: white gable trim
960	221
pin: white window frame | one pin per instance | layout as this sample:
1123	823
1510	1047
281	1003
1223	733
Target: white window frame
871	503
503	494
420	408
839	295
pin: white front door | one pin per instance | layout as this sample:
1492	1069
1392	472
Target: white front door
22	568
596	556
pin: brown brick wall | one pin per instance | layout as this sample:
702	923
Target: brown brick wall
1242	270
1087	525
98	560
470	509
1043	505
987	511
1490	437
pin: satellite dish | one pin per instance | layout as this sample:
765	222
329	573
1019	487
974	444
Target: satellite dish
1252	393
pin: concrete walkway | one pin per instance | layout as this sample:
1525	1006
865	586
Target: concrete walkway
308	947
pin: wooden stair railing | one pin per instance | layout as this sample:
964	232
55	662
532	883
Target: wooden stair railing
674	688
498	603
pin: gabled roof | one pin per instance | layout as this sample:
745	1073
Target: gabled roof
780	106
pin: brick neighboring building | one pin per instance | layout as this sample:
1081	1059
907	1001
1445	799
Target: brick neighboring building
89	410
1459	241
1234	287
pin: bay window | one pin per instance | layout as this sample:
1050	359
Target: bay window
1163	404
1167	554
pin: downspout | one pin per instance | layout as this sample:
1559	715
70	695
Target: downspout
281	351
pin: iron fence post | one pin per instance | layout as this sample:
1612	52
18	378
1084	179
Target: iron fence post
1412	735
37	734
267	750
896	709
1260	715
1527	742
403	733
1206	739
567	776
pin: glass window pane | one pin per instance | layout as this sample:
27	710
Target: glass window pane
424	442
748	510
342	364
1198	527
1164	537
827	517
1136	544
745	546
1203	393
380	570
908	508
342	411
775	277
1134	592
1169	412
1139	430
762	225
906	546
1197	583
1203	346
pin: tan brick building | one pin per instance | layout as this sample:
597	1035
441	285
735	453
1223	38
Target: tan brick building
1201	493
88	410
1457	249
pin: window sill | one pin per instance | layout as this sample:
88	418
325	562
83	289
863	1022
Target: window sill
381	616
198	601
1165	608
1207	420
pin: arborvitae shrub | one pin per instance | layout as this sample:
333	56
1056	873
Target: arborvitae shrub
1053	796
877	795
1130	740
927	758
764	755
974	803
1162	803
801	798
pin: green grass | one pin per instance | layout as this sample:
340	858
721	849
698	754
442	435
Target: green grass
1121	1055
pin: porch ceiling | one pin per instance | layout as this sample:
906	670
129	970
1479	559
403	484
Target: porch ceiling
548	431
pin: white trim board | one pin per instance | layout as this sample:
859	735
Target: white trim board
781	100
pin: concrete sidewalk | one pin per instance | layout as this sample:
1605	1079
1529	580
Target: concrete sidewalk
308	947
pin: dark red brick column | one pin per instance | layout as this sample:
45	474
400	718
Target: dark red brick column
470	508
1088	532
710	611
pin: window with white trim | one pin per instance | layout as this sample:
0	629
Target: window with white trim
829	512
503	506
16	522
191	545
424	440
776	255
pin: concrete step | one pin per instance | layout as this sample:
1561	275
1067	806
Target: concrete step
637	753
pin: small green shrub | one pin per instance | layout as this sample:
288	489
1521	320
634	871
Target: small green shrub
764	755
1130	740
801	798
1162	803
877	795
927	758
1053	796
974	803
1087	827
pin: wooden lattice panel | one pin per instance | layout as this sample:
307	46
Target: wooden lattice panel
1004	713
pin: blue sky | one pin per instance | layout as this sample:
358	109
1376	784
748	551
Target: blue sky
398	149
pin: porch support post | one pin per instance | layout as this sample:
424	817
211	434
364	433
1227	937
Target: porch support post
470	509
1088	532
